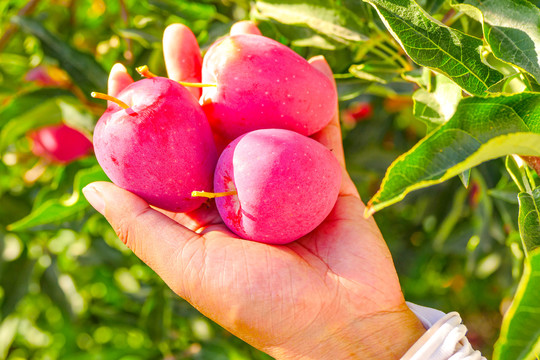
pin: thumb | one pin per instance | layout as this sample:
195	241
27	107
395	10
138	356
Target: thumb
244	27
118	79
182	55
154	237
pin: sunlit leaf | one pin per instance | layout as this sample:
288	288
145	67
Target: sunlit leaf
57	210
351	87
529	219
322	16
504	195
436	103
144	38
520	330
27	101
185	9
380	73
481	129
154	312
302	36
432	44
512	29
16	277
517	173
41	114
76	116
82	67
465	177
13	64
50	286
8	330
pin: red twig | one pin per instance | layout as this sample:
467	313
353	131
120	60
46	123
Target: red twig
533	162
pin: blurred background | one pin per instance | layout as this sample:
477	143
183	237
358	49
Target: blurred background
69	289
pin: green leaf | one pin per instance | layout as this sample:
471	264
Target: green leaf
481	129
529	219
16	277
512	29
154	313
517	173
432	6
322	16
142	37
57	210
8	330
531	83
185	9
76	115
437	103
50	285
27	101
465	177
381	73
504	195
434	45
44	113
82	67
419	76
302	36
350	87
520	330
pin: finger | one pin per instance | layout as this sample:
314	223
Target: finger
245	27
182	55
155	238
198	219
330	136
118	79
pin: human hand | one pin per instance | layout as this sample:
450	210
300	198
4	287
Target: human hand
331	294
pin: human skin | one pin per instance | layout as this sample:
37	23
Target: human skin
183	62
333	294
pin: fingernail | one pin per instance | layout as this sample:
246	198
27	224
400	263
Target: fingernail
94	198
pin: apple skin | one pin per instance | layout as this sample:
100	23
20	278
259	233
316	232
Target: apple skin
161	152
286	185
60	143
262	84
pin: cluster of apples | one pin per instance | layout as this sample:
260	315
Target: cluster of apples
272	183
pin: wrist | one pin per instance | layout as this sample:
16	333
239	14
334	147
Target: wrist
384	335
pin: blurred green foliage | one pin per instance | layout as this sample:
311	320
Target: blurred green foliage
69	289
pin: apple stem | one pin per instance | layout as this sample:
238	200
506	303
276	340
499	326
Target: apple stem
211	195
102	96
196	85
144	71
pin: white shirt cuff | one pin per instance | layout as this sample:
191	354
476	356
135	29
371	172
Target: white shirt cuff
444	339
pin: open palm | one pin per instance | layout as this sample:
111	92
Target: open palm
333	293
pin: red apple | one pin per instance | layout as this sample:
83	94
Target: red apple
263	84
278	185
60	143
158	144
